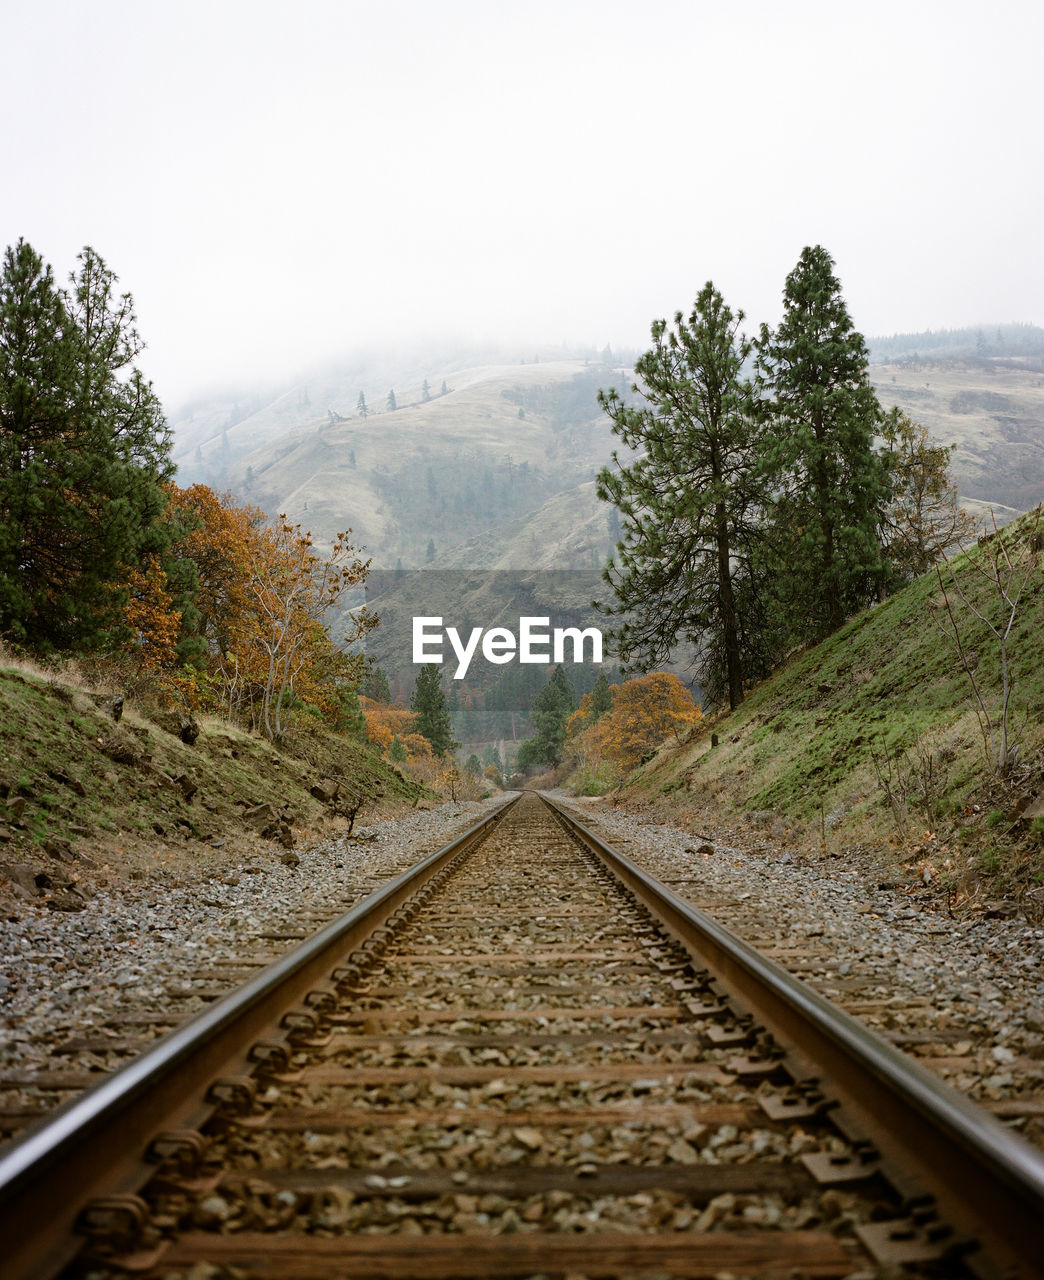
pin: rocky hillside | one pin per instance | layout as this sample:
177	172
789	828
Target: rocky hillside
86	799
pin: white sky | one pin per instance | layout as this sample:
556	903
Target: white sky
278	183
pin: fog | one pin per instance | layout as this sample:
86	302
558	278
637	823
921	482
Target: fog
280	185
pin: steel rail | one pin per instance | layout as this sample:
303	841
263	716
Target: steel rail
96	1143
988	1182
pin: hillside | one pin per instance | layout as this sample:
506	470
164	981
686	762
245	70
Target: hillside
506	449
497	472
992	410
871	740
81	793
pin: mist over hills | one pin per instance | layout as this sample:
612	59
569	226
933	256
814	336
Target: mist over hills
488	458
485	465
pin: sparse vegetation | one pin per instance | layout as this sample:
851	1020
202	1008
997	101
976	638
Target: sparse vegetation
804	742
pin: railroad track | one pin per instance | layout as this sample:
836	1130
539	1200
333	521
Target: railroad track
522	1058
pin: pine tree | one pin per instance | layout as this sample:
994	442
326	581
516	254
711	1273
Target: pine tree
84	454
924	516
37	358
392	406
426	391
690	501
552	708
375	686
601	697
429	702
360	406
830	484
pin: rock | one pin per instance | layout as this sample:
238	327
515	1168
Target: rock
260	817
74	784
109	704
20	874
66	902
189	731
121	750
15	808
325	790
60	849
186	786
284	835
290	859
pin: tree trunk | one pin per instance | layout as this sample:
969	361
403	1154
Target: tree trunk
727	599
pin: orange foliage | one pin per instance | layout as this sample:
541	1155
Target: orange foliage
222	544
153	622
385	722
645	712
262	598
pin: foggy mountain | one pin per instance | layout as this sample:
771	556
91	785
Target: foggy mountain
487	466
488	460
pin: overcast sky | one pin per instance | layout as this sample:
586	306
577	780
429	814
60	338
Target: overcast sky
280	183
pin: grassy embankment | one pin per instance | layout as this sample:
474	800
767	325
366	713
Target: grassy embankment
132	795
871	739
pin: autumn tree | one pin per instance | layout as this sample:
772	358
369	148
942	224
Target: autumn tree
923	516
220	539
152	620
690	498
293	589
259	609
646	712
387	723
829	483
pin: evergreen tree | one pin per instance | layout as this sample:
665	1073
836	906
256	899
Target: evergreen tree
472	766
375	686
601	697
691	500
830	484
84	453
426	391
429	702
397	752
392	406
549	713
924	515
360	406
429	554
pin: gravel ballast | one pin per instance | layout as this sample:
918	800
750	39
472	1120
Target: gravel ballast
967	996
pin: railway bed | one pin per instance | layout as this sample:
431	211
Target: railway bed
522	1058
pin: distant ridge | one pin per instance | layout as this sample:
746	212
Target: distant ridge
1020	342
